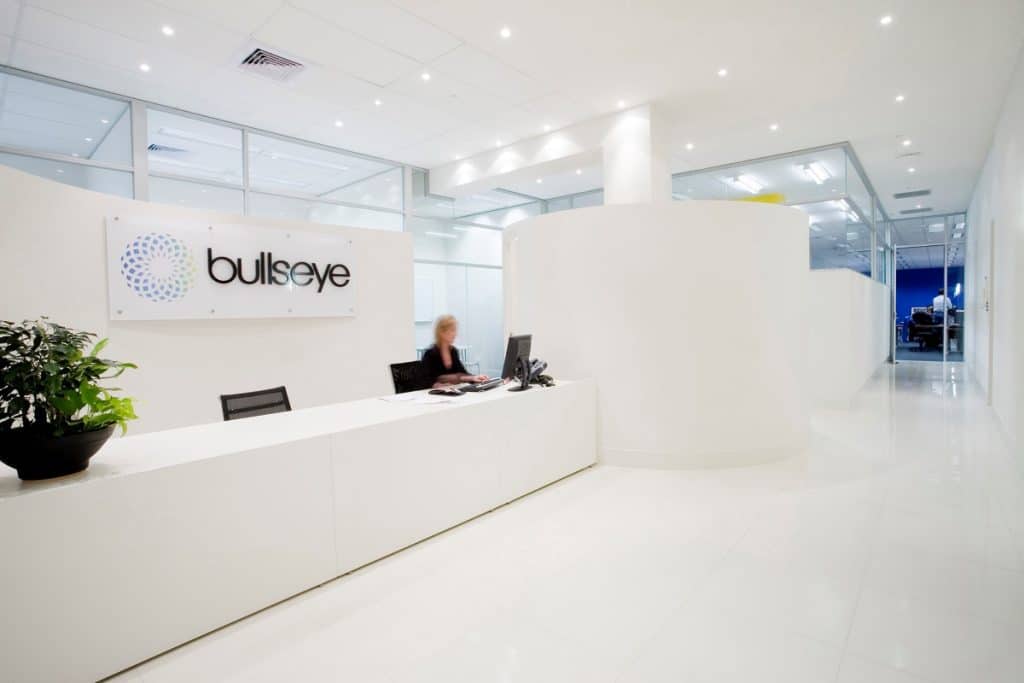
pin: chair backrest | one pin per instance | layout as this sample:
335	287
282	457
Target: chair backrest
408	376
252	403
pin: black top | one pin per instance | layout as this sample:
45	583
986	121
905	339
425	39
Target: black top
434	367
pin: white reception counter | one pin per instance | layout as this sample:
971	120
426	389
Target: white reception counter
170	535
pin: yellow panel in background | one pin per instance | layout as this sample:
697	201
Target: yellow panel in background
770	198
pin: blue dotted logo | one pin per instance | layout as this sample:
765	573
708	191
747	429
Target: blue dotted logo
158	267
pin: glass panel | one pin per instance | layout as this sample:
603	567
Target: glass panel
195	195
87	177
595	198
48	118
182	145
502	218
383	190
559	204
474	296
321	212
440	240
290	167
838	236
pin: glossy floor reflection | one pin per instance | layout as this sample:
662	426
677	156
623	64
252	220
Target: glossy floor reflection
892	552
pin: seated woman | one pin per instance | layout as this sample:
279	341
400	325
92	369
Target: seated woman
441	362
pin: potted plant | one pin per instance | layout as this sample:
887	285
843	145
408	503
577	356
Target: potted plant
54	413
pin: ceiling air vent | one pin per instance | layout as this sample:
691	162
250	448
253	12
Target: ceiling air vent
912	211
912	193
153	147
263	62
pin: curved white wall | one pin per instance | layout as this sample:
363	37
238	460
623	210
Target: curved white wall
691	316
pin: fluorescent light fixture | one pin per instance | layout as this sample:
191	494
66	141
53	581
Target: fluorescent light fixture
88	139
144	67
104	121
816	172
958	235
186	135
844	205
723	72
959	226
425	75
309	162
442	235
886	20
815	227
851	236
853	217
167	30
957	289
74	154
936	227
745	182
505	32
689	146
60	170
460	228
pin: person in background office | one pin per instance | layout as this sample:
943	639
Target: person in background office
441	362
941	305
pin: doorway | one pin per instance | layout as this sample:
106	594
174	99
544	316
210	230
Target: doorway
929	290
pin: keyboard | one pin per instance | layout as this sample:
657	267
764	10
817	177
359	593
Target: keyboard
482	386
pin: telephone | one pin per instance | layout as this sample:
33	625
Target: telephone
537	367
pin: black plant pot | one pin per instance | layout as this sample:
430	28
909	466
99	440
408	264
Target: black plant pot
41	456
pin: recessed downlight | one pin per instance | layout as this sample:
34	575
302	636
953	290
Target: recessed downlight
167	31
339	123
547	127
579	171
689	146
621	104
774	127
900	98
907	143
377	102
886	20
104	121
88	139
540	181
505	32
144	67
911	170
497	143
60	170
425	76
723	72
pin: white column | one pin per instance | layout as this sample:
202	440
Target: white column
635	152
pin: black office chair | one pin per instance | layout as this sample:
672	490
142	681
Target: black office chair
408	377
253	403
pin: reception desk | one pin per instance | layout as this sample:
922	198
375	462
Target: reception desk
170	535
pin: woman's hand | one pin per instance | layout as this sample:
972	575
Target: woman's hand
478	378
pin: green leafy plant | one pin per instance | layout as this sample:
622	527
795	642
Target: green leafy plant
49	384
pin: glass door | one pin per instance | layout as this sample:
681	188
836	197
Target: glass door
920	278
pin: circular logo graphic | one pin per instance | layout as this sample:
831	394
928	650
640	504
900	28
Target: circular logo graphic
158	267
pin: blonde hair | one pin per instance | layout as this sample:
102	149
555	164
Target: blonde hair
445	322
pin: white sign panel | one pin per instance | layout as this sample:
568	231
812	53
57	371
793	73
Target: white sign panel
159	271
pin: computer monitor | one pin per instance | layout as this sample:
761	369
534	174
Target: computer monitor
517	356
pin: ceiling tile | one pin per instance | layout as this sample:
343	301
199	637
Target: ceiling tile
385	25
243	16
448	95
141	21
479	69
308	38
8	17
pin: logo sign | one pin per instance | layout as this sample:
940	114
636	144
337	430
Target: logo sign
164	271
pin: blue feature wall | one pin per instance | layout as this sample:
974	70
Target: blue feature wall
917	287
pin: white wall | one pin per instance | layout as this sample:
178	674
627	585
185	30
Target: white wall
998	201
848	334
690	316
52	252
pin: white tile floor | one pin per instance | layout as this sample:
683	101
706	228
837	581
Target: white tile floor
892	552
